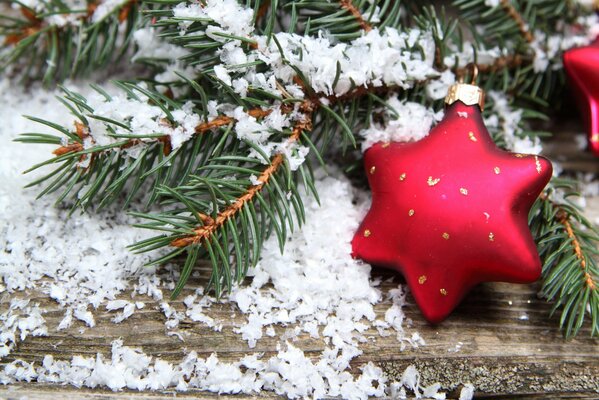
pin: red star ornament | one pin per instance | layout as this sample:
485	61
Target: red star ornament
451	211
582	67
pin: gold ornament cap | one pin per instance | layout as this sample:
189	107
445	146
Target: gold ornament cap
469	94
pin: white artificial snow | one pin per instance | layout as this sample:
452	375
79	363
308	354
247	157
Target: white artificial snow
105	8
492	3
467	392
149	45
141	118
437	88
404	121
232	18
470	54
506	120
254	180
288	373
127	307
548	50
222	74
83	314
18	322
377	58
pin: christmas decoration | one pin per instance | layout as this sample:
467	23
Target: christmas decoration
451	210
231	106
582	66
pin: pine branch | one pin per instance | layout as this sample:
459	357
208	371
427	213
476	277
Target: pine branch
238	231
85	165
568	246
517	17
343	19
56	42
205	231
82	132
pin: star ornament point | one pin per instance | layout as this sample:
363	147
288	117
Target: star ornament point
456	221
581	67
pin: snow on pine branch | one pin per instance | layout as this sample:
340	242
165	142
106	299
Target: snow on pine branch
548	49
404	121
387	57
230	16
377	58
507	121
137	117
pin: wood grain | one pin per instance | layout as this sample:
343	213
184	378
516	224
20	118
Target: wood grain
501	353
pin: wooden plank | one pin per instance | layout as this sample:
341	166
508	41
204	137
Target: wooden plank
501	353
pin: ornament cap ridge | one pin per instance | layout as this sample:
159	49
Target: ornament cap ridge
468	94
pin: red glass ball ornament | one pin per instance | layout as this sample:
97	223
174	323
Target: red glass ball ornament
582	67
451	211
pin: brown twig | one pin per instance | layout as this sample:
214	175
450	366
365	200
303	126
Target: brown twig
347	4
503	62
262	10
210	225
34	26
81	131
515	15
563	217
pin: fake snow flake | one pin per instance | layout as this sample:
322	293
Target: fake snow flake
467	392
124	305
82	314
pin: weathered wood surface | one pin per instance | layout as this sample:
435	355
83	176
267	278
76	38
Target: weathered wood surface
501	353
510	349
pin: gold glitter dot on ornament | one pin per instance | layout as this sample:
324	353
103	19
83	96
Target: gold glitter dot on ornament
367	232
433	182
411	212
385	145
491	237
445	235
402	176
497	170
422	279
518	155
372	169
464	191
443	292
538	165
472	137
